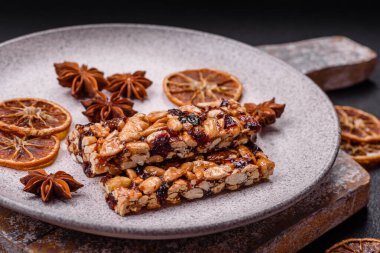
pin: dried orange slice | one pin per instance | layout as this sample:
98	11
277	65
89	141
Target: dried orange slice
363	245
36	117
25	153
358	125
365	153
201	85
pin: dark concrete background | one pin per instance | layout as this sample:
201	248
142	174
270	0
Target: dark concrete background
262	24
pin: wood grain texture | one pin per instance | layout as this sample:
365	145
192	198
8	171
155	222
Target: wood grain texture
334	62
344	192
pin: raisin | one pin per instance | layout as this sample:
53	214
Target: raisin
176	112
87	169
250	122
240	163
254	148
162	193
161	145
88	133
190	118
139	170
198	135
111	201
229	122
253	125
224	102
193	119
104	179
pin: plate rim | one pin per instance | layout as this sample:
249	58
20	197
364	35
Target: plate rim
176	233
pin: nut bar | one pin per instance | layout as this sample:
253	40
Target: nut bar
151	187
120	144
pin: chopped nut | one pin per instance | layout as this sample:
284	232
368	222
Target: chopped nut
88	140
174	125
138	147
116	182
218	188
154	116
195	193
172	174
215	173
150	185
154	171
236	179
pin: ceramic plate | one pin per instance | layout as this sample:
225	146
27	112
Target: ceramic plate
303	143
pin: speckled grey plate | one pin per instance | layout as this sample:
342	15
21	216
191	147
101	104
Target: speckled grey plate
303	143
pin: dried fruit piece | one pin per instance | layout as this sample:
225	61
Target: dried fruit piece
354	245
25	153
83	81
129	85
33	116
100	108
365	153
201	85
59	184
358	125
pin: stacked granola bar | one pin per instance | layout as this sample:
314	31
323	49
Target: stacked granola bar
122	144
150	187
183	153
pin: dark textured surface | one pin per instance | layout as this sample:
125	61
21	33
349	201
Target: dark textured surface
255	27
343	192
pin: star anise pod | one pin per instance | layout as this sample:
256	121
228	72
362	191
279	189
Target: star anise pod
129	85
99	108
84	81
59	184
266	112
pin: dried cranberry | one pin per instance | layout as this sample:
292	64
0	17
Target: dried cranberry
224	102
111	201
253	125
104	179
162	193
199	136
254	148
139	170
87	169
161	145
88	133
193	119
240	163
176	112
229	122
250	122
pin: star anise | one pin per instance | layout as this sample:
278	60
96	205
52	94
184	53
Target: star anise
129	85
99	108
48	186
84	81
266	112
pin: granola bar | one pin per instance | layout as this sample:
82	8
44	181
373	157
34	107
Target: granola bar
151	187
122	144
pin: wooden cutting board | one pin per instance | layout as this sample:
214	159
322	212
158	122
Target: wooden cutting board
343	193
